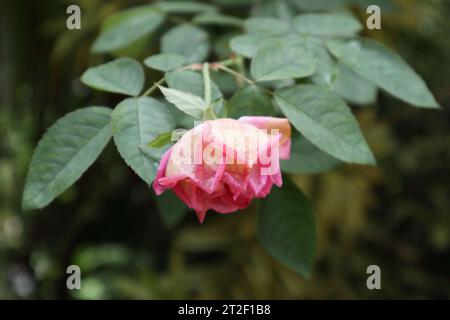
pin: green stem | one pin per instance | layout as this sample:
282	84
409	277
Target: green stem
209	112
207	83
240	65
191	67
154	87
242	77
236	74
228	62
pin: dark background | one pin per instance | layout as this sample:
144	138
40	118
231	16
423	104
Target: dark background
395	215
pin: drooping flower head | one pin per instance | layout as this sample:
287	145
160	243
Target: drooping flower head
223	164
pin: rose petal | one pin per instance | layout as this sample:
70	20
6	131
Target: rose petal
268	123
161	172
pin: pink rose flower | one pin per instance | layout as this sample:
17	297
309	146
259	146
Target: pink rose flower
223	164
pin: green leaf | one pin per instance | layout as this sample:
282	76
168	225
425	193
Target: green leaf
177	134
171	209
188	41
165	61
326	121
247	45
123	75
282	61
161	140
184	7
225	81
326	68
133	50
319	5
221	46
327	24
135	123
266	25
191	82
328	5
250	100
274	8
126	27
287	228
353	88
380	65
92	257
306	158
186	102
217	19
65	151
182	120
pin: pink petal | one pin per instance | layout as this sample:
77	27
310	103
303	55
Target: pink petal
268	123
160	172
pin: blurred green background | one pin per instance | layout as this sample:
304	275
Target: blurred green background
396	215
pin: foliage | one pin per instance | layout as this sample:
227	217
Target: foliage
330	69
283	51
